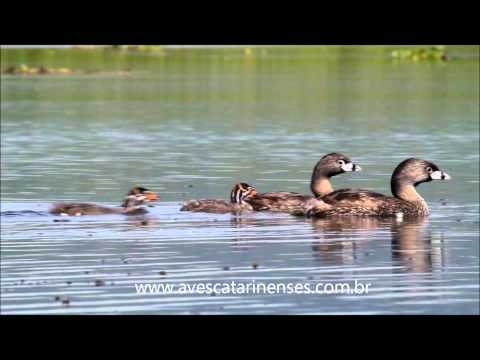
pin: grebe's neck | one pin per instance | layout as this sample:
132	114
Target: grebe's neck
407	192
131	202
320	185
127	202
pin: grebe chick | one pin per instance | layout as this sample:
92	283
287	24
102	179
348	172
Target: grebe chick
133	204
238	195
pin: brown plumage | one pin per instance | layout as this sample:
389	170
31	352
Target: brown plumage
132	205
238	195
329	165
360	202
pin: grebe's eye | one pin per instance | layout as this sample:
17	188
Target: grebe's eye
341	162
429	169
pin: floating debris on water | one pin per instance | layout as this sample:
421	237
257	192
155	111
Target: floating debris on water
63	299
99	282
225	268
163	273
254	265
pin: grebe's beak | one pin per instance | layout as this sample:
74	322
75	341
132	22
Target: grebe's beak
356	167
150	196
439	175
351	167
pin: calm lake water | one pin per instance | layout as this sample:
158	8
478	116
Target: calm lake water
189	123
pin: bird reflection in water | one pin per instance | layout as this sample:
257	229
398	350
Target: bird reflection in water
414	248
347	241
342	241
140	221
247	225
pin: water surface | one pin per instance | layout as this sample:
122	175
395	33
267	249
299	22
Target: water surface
191	123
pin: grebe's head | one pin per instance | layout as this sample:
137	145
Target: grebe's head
416	171
138	196
240	192
335	163
412	172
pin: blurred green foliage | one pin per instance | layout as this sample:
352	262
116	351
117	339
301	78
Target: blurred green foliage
153	48
432	53
23	69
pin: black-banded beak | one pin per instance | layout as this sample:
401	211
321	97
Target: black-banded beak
439	175
350	167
